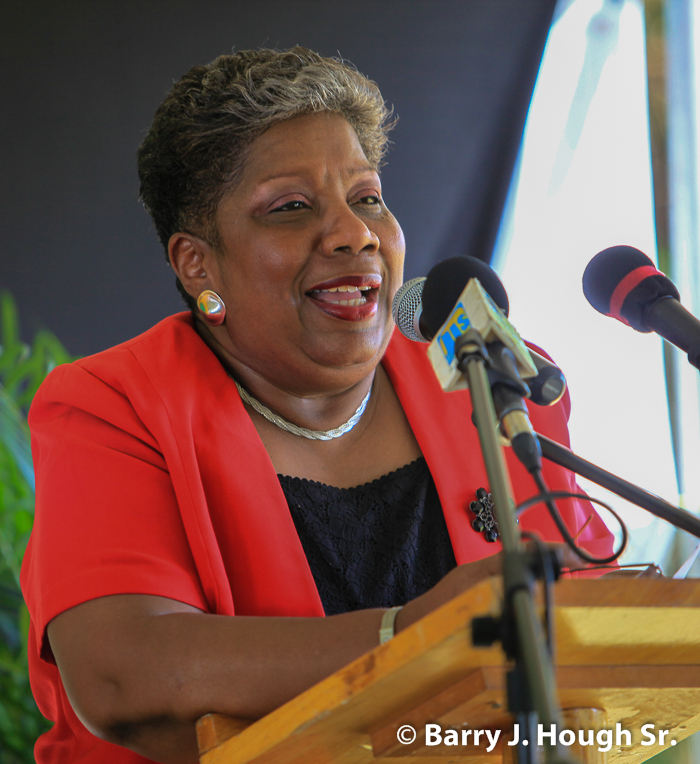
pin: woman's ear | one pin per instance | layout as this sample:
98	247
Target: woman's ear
190	258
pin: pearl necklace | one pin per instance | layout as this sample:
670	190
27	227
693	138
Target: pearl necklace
283	424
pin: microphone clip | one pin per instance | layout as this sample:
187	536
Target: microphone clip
468	345
500	362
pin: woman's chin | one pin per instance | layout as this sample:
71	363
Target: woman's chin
357	353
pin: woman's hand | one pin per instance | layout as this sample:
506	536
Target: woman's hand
458	580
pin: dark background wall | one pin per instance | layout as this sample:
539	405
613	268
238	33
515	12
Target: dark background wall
81	80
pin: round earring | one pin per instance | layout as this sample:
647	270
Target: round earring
212	307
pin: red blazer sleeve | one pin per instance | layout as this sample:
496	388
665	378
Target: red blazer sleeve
107	519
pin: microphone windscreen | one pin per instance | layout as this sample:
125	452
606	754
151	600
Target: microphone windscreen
407	307
445	283
624	283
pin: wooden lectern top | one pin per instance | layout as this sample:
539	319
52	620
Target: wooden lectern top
629	647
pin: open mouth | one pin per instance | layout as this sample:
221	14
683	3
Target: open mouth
351	298
342	295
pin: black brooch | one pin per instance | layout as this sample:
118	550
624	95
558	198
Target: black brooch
484	521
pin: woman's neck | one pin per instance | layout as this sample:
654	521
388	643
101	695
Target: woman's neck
306	404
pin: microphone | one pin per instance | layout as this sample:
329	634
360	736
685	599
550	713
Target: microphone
415	309
624	283
508	358
407	310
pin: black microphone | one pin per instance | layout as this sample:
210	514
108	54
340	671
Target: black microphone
421	306
416	308
624	283
507	355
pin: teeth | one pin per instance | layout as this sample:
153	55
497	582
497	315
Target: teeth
343	288
359	301
346	288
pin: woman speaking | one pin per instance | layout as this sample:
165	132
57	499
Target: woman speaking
209	490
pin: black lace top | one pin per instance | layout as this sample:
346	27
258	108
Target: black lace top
375	545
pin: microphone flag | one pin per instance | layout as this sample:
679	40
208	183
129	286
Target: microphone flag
476	310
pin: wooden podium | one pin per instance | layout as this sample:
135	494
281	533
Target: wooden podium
628	653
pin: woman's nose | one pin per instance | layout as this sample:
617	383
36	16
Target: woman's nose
346	233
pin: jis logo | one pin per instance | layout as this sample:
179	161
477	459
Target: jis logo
456	325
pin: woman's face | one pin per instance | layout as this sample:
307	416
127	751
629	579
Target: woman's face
310	258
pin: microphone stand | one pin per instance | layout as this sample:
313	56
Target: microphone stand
531	685
566	458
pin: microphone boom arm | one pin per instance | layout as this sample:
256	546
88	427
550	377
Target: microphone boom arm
566	458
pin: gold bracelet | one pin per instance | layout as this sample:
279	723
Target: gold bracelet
386	629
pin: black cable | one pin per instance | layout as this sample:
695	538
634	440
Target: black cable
547	498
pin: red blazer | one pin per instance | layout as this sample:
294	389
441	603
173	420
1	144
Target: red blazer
151	479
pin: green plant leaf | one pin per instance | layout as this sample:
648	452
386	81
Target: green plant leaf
22	369
14	434
54	349
9	322
23	521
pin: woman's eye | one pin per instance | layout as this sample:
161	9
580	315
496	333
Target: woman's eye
295	204
370	199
